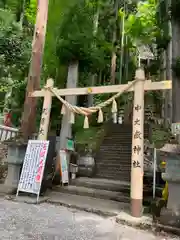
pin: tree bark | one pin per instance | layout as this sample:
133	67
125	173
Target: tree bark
176	80
66	127
168	93
123	39
93	77
114	39
29	115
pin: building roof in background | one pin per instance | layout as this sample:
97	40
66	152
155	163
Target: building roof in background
145	52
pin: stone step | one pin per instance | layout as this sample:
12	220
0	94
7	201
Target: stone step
111	149
103	184
123	143
106	207
118	134
113	176
113	167
118	139
92	192
123	157
113	160
120	160
126	160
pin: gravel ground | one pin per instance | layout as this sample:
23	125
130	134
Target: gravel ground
48	222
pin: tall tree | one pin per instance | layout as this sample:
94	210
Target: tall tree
29	114
175	5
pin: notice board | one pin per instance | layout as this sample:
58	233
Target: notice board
33	167
64	166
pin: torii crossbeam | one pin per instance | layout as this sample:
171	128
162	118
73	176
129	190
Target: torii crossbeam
148	86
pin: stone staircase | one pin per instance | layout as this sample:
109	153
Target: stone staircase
108	192
113	160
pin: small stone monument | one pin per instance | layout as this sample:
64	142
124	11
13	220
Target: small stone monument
171	215
15	159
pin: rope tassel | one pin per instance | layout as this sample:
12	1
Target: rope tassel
72	118
63	110
114	106
100	116
86	122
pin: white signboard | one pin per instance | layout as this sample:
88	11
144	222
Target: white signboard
33	167
175	128
64	166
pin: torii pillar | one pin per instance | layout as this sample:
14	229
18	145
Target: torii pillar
137	159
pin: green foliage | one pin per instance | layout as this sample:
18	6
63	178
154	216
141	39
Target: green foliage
160	136
76	35
30	11
15	48
162	16
141	26
77	40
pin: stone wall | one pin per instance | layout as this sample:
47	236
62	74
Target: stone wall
3	164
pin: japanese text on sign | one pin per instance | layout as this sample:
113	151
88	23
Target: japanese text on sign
33	167
137	135
137	108
64	166
136	164
137	149
137	122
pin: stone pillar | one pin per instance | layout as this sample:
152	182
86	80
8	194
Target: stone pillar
172	176
15	159
137	159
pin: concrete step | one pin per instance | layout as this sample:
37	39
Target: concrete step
119	140
92	192
102	184
119	170
114	168
119	177
113	163
105	208
115	150
112	160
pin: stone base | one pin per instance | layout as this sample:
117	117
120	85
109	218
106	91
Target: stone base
15	159
13	176
168	218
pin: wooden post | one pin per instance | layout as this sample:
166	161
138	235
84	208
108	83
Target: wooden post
137	160
29	113
45	117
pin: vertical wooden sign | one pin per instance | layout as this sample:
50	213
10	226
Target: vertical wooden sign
45	117
137	160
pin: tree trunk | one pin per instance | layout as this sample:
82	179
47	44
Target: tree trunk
176	80
114	39
113	67
123	39
168	93
93	77
29	114
162	78
72	81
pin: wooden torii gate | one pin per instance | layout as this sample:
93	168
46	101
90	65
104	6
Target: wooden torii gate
137	158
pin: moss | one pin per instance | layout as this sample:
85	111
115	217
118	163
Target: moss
160	136
89	137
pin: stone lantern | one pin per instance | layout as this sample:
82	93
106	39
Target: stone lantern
171	215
